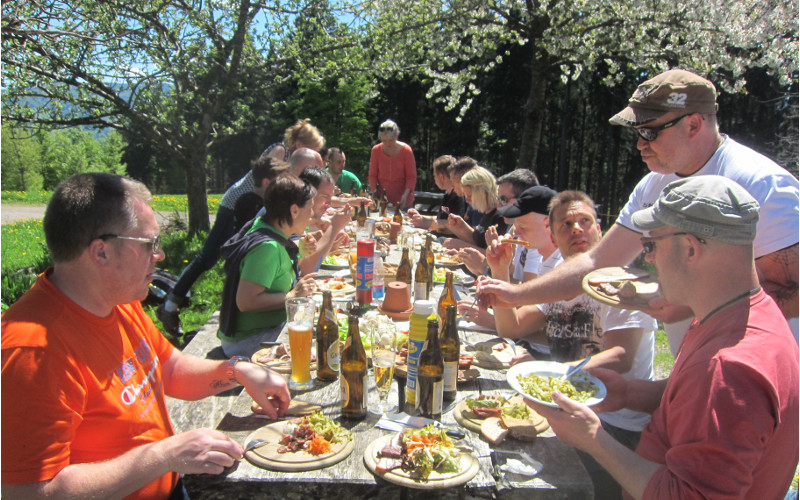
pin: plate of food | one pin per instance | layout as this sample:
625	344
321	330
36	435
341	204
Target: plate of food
623	287
338	286
459	277
279	358
446	260
537	380
496	418
420	458
306	443
335	261
495	354
465	373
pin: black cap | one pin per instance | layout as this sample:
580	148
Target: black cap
534	199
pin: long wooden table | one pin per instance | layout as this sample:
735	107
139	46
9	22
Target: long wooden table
563	475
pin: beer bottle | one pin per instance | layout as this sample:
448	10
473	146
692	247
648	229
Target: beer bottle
362	216
430	256
376	197
422	276
404	269
328	355
448	296
398	217
451	352
430	375
384	203
353	190
353	382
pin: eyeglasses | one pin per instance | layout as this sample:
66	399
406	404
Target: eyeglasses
155	242
386	129
649	243
650	134
505	201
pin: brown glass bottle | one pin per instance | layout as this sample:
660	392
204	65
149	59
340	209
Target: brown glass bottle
353	382
430	375
328	354
362	216
404	269
384	204
431	260
451	352
398	216
422	276
448	296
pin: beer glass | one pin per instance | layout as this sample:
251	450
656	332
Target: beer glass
300	323
384	351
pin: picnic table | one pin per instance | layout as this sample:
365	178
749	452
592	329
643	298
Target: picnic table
562	477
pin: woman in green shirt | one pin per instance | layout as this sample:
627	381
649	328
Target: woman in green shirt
261	269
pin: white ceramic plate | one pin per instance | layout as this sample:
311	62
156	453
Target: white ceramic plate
552	369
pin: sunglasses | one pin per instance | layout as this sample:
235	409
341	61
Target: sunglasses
155	242
651	134
386	129
649	243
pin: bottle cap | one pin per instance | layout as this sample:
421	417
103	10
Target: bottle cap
424	307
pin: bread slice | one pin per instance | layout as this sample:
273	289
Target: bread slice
523	430
493	430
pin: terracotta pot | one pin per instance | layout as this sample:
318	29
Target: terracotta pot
397	302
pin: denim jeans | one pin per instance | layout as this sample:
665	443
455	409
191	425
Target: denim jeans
246	347
220	232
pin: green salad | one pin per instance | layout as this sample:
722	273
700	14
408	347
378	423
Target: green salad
430	450
326	427
542	387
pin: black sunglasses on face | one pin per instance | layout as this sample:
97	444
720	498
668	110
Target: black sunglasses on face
649	243
650	134
386	129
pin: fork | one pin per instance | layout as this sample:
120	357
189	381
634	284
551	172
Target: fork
256	443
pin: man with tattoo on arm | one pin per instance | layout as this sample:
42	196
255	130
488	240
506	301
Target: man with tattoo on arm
675	118
85	372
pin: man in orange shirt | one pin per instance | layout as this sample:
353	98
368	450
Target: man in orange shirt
85	372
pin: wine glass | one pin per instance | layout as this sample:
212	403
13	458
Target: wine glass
384	351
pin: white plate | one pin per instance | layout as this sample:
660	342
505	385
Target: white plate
552	369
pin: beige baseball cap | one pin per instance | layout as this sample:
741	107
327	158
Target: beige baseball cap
708	206
673	90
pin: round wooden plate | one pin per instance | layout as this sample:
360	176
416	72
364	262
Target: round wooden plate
268	457
469	469
606	274
468	420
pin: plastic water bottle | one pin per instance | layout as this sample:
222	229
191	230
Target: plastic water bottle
378	290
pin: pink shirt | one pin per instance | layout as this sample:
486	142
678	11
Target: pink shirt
395	173
727	425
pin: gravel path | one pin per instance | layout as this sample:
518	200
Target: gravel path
10	213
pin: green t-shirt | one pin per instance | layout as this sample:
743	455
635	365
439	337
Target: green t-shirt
347	181
269	265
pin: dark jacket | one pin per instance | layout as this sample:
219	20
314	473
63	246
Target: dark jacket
233	251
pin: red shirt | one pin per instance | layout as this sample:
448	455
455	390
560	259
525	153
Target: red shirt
395	173
727	425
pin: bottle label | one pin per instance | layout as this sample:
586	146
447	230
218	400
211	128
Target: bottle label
335	355
414	350
378	289
450	375
344	391
438	395
420	291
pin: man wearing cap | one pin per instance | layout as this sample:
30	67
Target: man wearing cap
674	115
617	339
725	422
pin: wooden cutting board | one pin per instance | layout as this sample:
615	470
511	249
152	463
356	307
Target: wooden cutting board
268	457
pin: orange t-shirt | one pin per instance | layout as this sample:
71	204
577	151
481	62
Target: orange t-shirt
77	388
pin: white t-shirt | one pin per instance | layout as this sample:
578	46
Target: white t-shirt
577	328
775	189
533	260
551	262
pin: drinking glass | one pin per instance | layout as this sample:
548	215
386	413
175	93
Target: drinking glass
300	323
384	351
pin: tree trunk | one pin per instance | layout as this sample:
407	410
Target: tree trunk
533	115
196	192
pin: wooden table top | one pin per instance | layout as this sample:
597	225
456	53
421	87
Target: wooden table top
563	475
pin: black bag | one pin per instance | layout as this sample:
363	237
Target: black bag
160	288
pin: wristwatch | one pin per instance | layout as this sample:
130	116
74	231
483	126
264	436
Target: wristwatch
231	367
